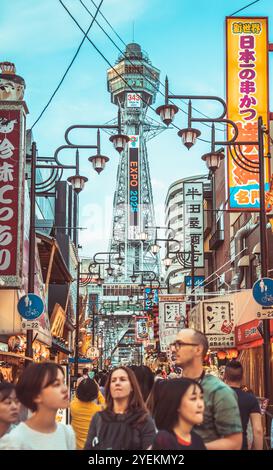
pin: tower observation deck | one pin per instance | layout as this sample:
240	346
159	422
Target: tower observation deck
133	88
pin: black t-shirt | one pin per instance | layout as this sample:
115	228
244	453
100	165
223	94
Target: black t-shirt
248	404
169	441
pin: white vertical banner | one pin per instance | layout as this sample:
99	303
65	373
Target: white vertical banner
193	227
172	314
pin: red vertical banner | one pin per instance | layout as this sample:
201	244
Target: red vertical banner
12	173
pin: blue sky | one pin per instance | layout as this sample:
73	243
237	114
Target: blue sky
184	41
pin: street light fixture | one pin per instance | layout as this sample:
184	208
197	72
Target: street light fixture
98	161
119	140
77	182
110	271
155	248
167	261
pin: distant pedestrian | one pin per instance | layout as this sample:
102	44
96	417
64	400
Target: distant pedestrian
181	406
248	405
125	423
42	389
83	376
9	407
221	428
83	407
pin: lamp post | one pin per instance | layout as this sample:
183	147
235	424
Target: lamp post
98	161
213	160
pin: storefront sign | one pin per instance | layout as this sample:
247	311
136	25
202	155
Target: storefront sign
171	318
247	99
12	158
142	329
193	224
133	188
218	321
150	302
247	332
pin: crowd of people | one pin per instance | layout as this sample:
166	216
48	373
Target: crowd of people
132	408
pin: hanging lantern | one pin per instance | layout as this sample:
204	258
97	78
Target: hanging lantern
232	354
221	355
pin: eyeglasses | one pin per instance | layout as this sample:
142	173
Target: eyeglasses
178	344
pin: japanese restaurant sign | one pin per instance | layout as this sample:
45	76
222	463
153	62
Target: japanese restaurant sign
247	99
193	223
12	145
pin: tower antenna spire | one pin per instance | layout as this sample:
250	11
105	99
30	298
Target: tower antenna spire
133	31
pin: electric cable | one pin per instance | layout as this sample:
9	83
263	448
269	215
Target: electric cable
68	68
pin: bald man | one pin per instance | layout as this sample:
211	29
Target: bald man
222	428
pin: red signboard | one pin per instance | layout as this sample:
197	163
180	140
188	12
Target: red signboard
12	143
248	332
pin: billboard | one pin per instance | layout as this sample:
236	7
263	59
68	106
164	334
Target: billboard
247	99
12	158
133	188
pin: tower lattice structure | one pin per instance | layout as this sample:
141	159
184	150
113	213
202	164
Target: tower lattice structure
133	83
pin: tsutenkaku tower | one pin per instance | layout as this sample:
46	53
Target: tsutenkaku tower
132	89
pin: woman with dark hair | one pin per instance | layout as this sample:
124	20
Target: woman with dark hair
125	423
42	389
145	378
178	406
83	407
9	407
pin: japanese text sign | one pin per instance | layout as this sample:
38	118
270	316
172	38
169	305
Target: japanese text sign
193	223
218	320
247	99
12	132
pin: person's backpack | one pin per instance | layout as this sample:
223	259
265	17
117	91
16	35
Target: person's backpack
115	434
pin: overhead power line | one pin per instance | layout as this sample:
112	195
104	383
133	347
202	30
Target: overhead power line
241	9
69	67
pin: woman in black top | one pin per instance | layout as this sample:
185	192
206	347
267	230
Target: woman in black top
125	423
178	407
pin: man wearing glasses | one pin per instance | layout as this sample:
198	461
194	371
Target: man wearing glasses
221	428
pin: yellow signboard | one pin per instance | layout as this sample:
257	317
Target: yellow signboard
247	99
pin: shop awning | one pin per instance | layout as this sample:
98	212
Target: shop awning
53	265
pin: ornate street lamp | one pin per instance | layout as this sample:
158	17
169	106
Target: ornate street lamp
167	261
109	270
155	248
98	161
77	182
119	140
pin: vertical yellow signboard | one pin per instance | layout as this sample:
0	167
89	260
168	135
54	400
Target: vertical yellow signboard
247	99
